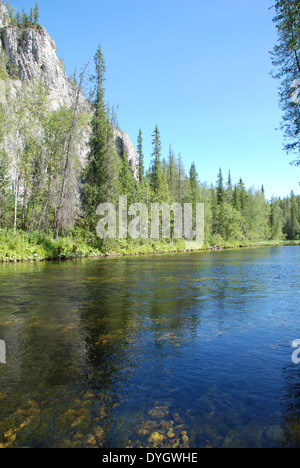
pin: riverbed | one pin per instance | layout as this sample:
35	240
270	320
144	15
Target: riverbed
177	350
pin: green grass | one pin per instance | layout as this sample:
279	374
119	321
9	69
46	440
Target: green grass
38	246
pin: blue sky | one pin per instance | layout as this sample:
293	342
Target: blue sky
198	69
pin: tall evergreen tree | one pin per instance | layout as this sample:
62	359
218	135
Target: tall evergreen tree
294	221
36	14
181	179
229	189
126	179
102	171
158	177
31	16
172	175
156	167
141	156
276	220
220	189
194	184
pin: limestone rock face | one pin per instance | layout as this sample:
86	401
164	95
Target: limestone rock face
125	146
32	54
3	15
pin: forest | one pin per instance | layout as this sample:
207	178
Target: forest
49	196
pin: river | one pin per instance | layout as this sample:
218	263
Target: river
177	350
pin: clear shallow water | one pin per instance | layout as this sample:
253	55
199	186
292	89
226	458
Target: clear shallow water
185	350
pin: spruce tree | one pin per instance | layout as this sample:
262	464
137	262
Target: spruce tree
126	180
294	222
194	185
172	175
156	165
141	157
181	179
220	199
31	16
220	189
36	14
276	220
24	21
229	189
18	18
102	171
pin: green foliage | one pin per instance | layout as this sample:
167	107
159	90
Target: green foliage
141	157
159	184
37	246
276	220
286	60
40	173
127	181
23	20
102	171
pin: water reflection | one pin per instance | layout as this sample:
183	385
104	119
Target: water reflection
167	351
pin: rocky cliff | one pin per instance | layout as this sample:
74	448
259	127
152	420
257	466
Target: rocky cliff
31	53
3	15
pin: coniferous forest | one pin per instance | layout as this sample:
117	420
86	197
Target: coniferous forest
48	198
154	357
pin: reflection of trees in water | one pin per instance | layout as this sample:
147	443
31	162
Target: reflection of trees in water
109	323
291	406
46	350
103	346
133	309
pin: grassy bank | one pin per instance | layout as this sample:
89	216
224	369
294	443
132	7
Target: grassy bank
22	246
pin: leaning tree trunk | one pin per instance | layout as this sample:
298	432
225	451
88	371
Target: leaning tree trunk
67	160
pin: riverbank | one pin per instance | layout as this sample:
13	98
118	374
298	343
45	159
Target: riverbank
22	247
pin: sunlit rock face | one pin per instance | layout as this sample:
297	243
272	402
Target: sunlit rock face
32	55
126	147
3	15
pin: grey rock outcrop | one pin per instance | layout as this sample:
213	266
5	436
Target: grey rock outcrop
3	15
125	146
32	54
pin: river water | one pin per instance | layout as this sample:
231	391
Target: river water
184	350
